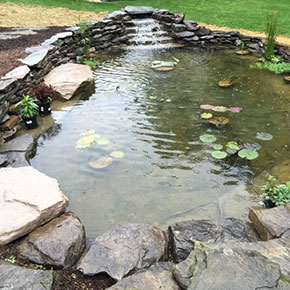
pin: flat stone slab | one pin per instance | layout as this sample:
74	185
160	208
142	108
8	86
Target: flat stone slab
28	199
123	249
149	279
58	243
183	235
71	80
19	278
22	143
18	73
5	84
139	10
238	266
35	58
271	223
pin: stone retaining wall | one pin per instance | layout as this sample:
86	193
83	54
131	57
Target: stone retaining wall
103	34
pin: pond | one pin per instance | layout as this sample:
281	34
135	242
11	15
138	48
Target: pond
166	174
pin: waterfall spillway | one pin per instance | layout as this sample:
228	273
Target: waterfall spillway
147	33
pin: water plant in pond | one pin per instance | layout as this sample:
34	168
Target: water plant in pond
275	194
92	63
206	116
219	121
264	136
221	109
235	109
225	83
117	154
103	141
86	141
271	35
218	147
233	145
219	154
207	138
248	154
241	45
100	163
276	67
206	107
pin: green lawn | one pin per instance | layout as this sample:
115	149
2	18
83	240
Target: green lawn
247	14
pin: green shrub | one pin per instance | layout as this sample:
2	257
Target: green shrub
271	35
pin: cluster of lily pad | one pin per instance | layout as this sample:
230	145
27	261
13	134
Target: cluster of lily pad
164	66
245	151
166	100
89	137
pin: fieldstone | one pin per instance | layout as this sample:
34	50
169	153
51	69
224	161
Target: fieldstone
202	31
24	143
183	235
35	58
10	123
19	278
191	25
3	160
184	34
71	80
271	223
16	159
117	15
153	279
6	84
28	199
139	10
239	266
58	243
178	27
124	249
18	73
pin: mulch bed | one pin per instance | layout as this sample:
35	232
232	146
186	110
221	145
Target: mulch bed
66	279
13	49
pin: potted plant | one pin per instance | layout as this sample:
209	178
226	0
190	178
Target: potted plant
275	194
44	94
28	109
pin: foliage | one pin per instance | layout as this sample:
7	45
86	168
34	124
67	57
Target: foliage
277	193
27	107
264	136
271	35
276	67
219	154
233	145
240	44
43	93
207	138
248	154
92	63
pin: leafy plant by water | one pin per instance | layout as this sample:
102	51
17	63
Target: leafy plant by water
43	93
271	35
276	193
92	63
27	107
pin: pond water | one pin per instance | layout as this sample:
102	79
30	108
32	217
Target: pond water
167	174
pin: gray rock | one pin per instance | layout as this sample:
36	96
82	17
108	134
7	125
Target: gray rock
16	159
184	34
153	279
178	27
139	10
17	73
6	84
35	58
59	243
191	25
202	31
206	37
271	223
183	235
24	143
19	278
124	249
238	266
117	15
3	160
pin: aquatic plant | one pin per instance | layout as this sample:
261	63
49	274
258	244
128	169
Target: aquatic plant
271	35
233	145
276	193
219	154
240	44
219	121
218	147
100	163
86	141
207	138
248	154
92	63
206	115
117	154
277	68
264	136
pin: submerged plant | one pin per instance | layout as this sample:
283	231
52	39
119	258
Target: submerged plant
276	193
271	35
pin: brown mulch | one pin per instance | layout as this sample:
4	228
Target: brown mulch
13	49
66	279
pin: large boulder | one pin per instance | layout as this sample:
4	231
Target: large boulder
28	199
271	223
123	249
71	80
183	235
58	243
155	278
239	266
19	278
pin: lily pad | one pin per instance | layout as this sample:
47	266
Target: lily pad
207	138
219	109
225	83
103	141
233	145
248	154
219	121
219	154
242	52
206	107
287	79
206	115
87	141
235	109
218	147
102	162
88	132
264	136
117	154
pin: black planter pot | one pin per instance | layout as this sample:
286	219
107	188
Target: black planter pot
269	203
44	108
30	122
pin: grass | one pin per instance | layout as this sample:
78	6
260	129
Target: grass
244	14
